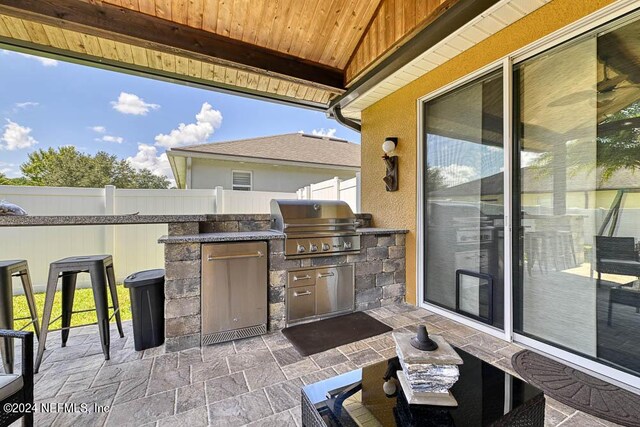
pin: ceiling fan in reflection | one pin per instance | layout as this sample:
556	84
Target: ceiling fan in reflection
607	90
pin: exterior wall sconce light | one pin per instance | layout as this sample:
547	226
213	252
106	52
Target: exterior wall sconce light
391	162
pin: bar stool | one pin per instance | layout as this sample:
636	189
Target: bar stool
567	248
100	268
533	248
8	270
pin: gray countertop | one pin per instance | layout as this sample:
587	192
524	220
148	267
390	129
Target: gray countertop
256	235
232	236
50	220
35	220
374	230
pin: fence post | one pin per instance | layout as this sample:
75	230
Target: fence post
110	209
358	192
219	193
336	187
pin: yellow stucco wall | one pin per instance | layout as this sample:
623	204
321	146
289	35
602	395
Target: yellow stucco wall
395	115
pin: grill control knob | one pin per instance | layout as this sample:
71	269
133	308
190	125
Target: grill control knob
347	245
313	247
325	247
300	249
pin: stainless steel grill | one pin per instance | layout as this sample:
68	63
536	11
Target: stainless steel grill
315	227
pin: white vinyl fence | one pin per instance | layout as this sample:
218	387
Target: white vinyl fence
247	202
334	189
133	247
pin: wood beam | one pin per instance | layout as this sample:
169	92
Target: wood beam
124	25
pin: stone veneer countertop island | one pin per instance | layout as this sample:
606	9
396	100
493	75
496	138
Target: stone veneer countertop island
379	267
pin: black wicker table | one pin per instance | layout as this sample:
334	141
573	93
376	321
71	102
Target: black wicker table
486	395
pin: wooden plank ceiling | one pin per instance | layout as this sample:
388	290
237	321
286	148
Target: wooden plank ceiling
322	31
286	49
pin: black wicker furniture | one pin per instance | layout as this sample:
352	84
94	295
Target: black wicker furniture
16	390
486	395
616	255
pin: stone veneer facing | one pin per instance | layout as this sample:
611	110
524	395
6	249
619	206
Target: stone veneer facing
379	275
182	290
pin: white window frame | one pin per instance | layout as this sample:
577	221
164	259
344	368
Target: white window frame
249	187
578	28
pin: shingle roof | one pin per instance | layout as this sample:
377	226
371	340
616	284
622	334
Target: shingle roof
294	147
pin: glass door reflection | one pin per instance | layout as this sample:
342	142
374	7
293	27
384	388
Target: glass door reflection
464	203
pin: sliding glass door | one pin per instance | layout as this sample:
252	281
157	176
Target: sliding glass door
464	200
577	121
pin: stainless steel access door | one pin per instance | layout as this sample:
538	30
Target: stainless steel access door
234	286
334	289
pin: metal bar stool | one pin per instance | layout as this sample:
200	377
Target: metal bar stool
100	267
8	270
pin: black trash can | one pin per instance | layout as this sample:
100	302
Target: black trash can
146	289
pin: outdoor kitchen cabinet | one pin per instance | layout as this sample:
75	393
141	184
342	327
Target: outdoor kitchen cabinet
319	292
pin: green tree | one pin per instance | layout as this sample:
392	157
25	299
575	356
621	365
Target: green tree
4	180
67	167
616	147
434	179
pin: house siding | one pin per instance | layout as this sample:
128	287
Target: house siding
395	115
207	173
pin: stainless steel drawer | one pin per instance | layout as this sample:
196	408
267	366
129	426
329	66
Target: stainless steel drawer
301	302
302	278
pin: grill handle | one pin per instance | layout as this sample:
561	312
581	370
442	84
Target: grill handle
296	278
301	294
258	254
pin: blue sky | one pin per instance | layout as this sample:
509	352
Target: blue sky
46	103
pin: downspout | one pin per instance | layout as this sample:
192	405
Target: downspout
336	113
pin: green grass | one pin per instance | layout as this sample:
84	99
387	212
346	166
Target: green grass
83	300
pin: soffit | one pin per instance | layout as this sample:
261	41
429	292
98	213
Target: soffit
79	45
494	19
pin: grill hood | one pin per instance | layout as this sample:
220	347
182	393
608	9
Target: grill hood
315	227
312	216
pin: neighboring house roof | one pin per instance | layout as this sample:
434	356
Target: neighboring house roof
291	147
536	181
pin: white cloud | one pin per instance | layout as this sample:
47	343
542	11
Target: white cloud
147	158
98	129
16	137
111	138
25	105
528	157
46	62
457	174
128	103
207	121
9	169
322	132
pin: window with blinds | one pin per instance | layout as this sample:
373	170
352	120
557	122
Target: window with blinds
242	180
